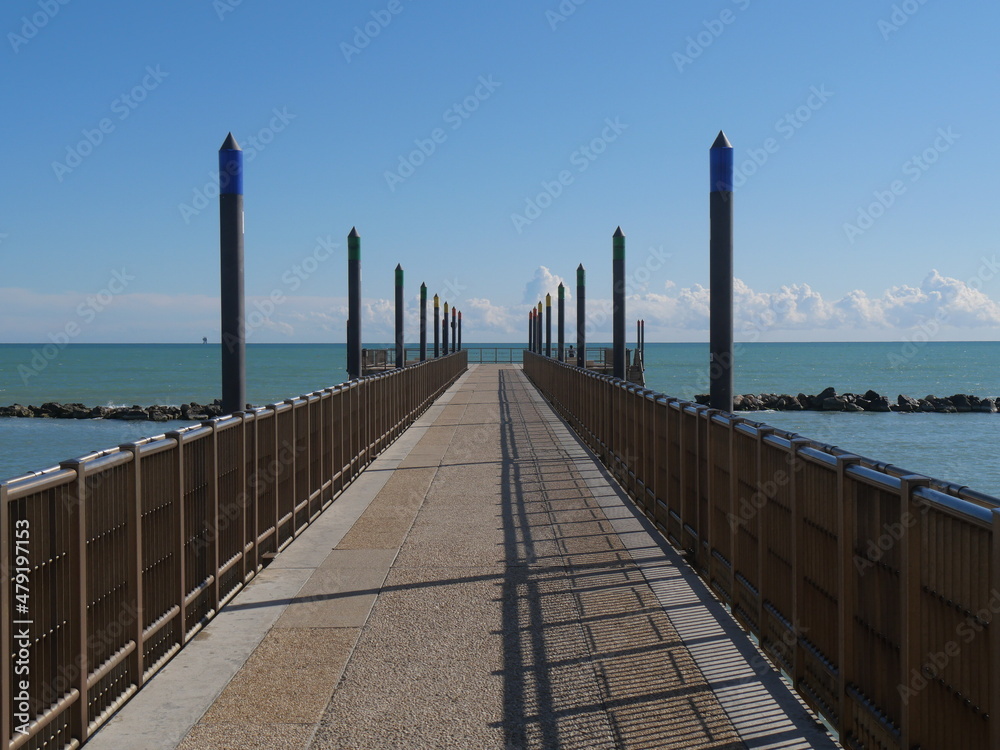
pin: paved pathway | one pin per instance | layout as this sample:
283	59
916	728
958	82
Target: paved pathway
482	585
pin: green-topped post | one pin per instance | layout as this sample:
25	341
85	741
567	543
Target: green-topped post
353	304
618	301
400	351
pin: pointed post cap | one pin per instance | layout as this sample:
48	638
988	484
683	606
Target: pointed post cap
354	234
548	300
230	167
581	275
562	291
230	144
721	141
618	245
619	232
437	301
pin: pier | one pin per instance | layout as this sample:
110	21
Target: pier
498	555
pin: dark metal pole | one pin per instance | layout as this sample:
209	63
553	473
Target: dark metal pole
548	325
454	331
581	316
234	345
721	275
423	322
437	326
353	304
618	298
460	330
561	325
531	330
538	329
400	352
444	331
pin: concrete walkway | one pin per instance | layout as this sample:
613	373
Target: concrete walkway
482	585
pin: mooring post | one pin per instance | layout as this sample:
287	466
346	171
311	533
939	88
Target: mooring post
234	346
400	352
581	316
459	330
538	329
444	331
618	299
531	330
423	321
454	329
721	275
548	325
437	326
354	304
561	325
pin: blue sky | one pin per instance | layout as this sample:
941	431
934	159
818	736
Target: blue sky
863	136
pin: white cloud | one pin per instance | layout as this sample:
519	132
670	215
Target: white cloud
542	283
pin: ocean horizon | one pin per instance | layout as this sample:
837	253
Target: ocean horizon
952	447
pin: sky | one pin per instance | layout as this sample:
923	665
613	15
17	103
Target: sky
490	148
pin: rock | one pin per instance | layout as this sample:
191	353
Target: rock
826	393
872	396
834	403
852	407
909	403
879	404
985	406
961	402
21	411
701	398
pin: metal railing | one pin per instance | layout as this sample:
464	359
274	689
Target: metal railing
872	588
114	561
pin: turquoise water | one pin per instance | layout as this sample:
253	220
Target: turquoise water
955	447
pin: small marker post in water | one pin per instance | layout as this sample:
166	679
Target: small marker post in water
234	348
720	366
618	300
354	304
400	352
423	321
437	326
548	325
561	325
581	316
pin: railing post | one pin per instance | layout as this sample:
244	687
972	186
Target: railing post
77	522
134	523
6	564
911	520
846	599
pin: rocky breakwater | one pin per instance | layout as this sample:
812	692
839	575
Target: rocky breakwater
51	410
830	400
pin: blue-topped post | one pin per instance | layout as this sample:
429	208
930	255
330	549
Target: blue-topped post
400	351
581	316
354	304
561	325
234	346
423	321
618	301
437	326
721	275
444	331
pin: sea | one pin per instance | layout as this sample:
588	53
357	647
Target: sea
954	447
